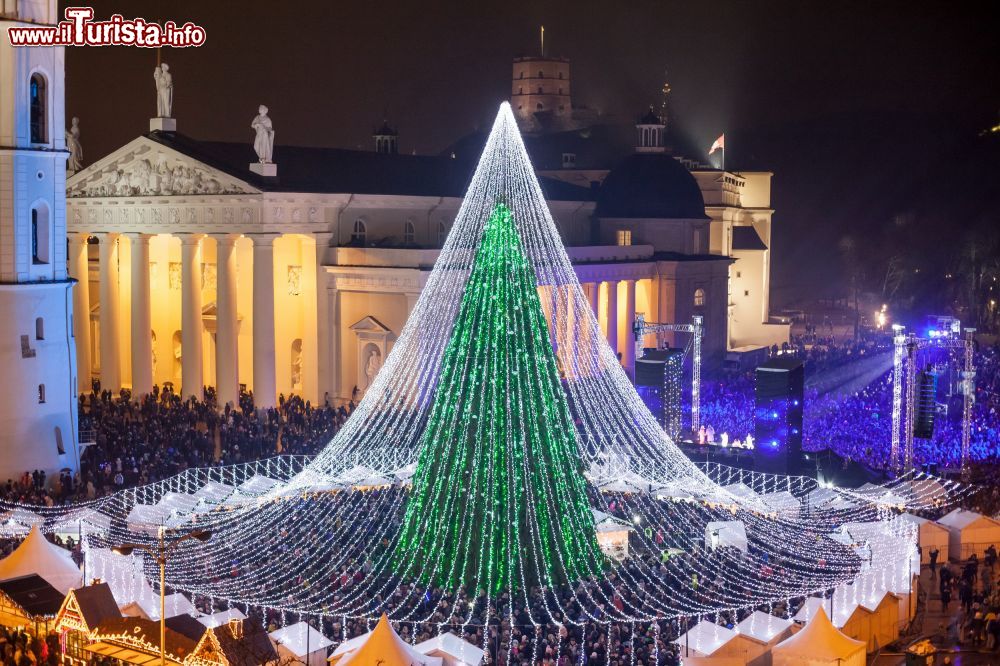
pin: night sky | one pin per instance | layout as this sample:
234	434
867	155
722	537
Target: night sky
862	110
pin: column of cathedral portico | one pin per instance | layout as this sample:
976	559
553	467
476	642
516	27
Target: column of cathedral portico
227	379
110	367
325	333
628	358
264	381
80	270
613	315
594	293
192	380
142	327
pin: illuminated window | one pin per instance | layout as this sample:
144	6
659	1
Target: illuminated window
409	233
360	233
699	297
624	236
37	101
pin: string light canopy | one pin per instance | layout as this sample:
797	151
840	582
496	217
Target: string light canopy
462	490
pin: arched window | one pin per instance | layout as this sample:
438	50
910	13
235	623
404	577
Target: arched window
520	91
40	234
539	107
359	235
39	328
541	74
539	90
409	233
442	233
41	393
37	101
521	75
560	75
699	297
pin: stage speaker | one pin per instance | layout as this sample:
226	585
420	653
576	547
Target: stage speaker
926	407
780	384
659	382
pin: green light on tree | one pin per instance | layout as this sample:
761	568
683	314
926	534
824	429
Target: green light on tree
498	498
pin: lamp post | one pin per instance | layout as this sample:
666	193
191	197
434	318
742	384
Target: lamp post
160	552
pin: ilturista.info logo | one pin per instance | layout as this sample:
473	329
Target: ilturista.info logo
79	29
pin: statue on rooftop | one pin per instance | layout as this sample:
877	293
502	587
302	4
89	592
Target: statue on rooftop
263	143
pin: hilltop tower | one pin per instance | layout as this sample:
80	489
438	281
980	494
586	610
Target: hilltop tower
540	91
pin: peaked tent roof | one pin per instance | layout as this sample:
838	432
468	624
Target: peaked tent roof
819	639
36	555
452	649
382	646
706	637
959	519
762	626
299	637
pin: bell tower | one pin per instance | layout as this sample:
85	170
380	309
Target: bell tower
37	351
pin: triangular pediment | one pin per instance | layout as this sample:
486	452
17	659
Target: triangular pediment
370	325
144	167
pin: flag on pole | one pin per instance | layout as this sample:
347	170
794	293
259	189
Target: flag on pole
720	144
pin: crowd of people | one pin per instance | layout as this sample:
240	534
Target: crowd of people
858	425
141	441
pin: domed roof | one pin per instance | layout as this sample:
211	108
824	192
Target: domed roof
650	185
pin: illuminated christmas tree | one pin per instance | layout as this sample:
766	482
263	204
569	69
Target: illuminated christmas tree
498	499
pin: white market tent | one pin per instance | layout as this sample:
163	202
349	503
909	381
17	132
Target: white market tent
922	492
930	535
819	644
214	492
148	605
381	646
37	556
258	484
765	627
301	643
782	502
453	650
884	622
18	522
221	618
178	503
720	533
741	490
827	499
86	521
848	615
969	532
716	645
147	518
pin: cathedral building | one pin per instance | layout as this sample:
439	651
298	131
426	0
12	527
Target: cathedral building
200	266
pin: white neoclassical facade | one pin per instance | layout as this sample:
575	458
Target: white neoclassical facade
199	265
